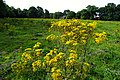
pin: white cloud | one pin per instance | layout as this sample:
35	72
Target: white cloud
59	5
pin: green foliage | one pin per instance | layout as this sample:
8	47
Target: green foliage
32	12
111	12
46	14
71	15
57	15
85	14
40	12
66	12
2	9
78	15
92	11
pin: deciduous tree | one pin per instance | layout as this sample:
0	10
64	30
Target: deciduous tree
2	9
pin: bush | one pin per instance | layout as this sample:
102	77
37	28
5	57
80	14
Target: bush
68	60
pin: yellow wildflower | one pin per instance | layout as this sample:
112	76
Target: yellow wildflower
73	56
38	50
51	52
51	37
74	44
52	61
43	64
97	40
84	41
53	69
70	33
58	71
67	63
38	43
36	65
59	56
83	24
92	25
28	56
24	54
87	64
55	50
28	49
47	58
36	46
72	51
38	53
82	31
69	42
56	75
72	61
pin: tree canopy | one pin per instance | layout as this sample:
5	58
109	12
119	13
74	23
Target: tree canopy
110	12
2	9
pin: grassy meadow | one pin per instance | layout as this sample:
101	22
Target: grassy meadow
18	34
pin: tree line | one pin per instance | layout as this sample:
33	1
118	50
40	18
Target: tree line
110	12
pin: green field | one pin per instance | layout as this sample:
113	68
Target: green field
19	34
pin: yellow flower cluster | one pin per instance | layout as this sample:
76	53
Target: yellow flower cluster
36	65
56	74
86	66
70	62
72	51
38	52
52	57
75	35
15	67
74	31
72	59
51	37
73	56
71	42
47	57
18	67
92	25
28	49
99	37
37	45
26	57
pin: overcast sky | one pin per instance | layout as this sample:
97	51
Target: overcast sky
59	5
